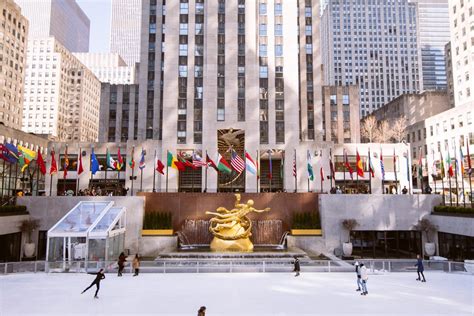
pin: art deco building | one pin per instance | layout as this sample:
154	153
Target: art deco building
372	44
62	96
13	40
62	19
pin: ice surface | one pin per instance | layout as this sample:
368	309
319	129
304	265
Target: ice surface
237	294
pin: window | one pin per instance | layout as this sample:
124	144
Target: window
278	50
345	99
469	118
262	8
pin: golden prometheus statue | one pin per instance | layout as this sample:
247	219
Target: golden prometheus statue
232	228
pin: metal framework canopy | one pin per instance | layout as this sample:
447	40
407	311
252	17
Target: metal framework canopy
91	231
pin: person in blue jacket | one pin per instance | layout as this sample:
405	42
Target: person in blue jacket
420	268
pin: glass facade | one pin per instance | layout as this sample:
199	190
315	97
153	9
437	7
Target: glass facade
386	244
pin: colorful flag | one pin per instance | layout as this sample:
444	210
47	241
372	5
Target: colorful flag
441	160
197	161
294	165
461	162
250	164
66	163
359	166
309	166
371	166
434	169
211	163
270	166
237	162
469	167
94	163
111	164
450	165
54	168
382	168
174	163
395	165
80	169
420	165
119	162
26	156
142	164
321	172
223	165
185	162
131	163
347	164
8	154
40	163
159	166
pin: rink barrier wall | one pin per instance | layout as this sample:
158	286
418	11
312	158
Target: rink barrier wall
375	266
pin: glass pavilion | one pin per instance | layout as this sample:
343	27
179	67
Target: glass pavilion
91	234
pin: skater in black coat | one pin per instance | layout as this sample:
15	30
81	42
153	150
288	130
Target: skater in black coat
297	266
99	276
121	263
420	268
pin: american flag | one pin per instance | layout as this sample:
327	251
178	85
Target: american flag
197	161
237	162
382	168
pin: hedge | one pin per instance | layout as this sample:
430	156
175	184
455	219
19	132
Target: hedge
453	209
13	210
308	220
157	220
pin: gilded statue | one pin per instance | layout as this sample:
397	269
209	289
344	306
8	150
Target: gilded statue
231	137
232	228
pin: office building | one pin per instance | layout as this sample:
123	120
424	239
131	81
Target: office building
109	67
372	44
13	40
62	19
449	74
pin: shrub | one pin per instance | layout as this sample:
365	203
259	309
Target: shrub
307	220
349	225
453	209
28	226
426	226
157	220
13	210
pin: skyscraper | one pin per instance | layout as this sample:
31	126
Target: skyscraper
63	19
372	44
126	29
433	21
13	39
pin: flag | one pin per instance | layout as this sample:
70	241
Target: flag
185	162
270	166
159	166
321	173
197	161
294	165
371	166
420	165
310	167
9	153
223	165
434	169
142	164
347	164
282	166
443	172
382	168
94	163
131	163
469	167
359	166
461	162
331	166
211	163
66	163
395	165
40	163
119	162
25	157
250	164
111	164
54	168
450	165
237	162
80	169
174	163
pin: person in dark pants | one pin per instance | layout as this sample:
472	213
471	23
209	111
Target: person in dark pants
99	276
420	268
359	279
121	263
136	264
297	266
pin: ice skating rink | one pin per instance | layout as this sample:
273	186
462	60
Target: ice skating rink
237	294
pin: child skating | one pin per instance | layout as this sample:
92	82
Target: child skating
99	276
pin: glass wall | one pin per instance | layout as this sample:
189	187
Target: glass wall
386	244
456	247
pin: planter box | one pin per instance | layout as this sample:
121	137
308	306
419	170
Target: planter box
306	232
157	232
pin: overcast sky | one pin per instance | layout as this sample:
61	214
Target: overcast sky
98	12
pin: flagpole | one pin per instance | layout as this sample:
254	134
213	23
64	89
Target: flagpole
166	173
270	170
434	171
450	189
462	188
64	173
106	167
92	174
10	179
395	171
205	175
357	176
408	172
154	173
141	180
370	173
192	176
77	171
258	168
3	176
37	178
296	173
456	176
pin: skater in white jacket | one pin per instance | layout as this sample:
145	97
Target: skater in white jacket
364	277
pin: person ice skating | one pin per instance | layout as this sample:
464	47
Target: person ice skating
121	264
420	268
359	280
136	265
297	266
99	276
405	190
364	277
202	311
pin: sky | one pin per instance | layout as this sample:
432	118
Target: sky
98	12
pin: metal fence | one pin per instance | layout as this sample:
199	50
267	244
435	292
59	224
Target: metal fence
375	266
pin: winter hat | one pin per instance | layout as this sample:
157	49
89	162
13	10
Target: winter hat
356	263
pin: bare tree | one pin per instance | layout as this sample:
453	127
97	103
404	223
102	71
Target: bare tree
383	133
399	128
369	128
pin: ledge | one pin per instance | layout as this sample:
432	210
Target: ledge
157	232
306	232
468	215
